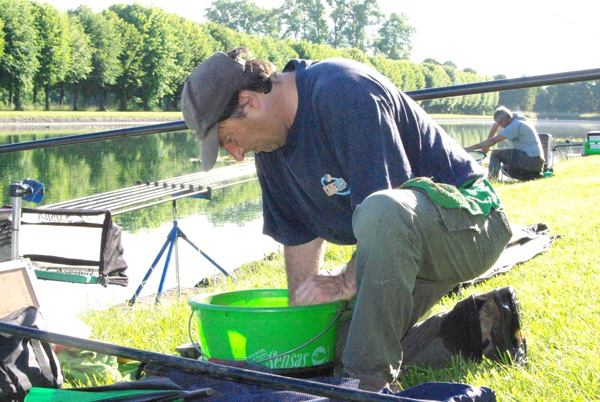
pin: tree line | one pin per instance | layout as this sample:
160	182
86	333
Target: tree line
132	57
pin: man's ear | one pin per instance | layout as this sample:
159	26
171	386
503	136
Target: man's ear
249	99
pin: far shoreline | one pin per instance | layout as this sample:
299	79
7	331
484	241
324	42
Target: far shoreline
31	120
14	123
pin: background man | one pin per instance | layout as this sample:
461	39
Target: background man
525	160
343	156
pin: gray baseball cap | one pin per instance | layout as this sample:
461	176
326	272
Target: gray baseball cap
206	93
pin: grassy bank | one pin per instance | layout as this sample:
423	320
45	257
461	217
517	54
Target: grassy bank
558	292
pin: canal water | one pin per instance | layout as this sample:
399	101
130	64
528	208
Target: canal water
226	228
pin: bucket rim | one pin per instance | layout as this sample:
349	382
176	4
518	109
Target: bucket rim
203	302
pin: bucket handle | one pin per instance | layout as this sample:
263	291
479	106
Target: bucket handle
339	313
194	344
202	355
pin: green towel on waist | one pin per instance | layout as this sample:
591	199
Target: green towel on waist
479	199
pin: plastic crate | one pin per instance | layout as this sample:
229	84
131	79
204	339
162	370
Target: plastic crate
591	147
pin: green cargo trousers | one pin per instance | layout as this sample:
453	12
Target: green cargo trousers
410	253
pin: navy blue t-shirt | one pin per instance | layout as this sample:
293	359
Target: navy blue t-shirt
354	133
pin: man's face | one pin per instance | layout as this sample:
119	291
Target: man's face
257	133
504	122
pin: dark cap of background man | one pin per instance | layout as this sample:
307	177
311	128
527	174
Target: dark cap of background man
205	96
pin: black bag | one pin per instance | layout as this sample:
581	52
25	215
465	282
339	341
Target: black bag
26	363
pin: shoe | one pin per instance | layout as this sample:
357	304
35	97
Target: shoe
501	325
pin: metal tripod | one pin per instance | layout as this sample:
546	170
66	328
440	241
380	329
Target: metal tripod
171	243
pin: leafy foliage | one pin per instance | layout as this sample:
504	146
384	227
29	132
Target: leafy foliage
107	45
132	57
53	39
395	38
21	48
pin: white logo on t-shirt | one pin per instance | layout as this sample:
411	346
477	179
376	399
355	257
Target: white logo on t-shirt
334	185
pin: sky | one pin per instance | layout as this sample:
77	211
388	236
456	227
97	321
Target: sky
511	37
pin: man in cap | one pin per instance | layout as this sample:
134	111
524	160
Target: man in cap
343	156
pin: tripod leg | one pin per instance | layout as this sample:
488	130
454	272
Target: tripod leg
172	241
184	237
154	263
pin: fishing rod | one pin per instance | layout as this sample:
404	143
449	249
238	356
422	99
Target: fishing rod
97	136
505	84
212	370
418	95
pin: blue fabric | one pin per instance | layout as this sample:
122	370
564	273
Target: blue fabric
354	133
184	385
449	392
229	391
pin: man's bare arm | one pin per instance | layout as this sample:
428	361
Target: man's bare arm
491	134
487	143
301	262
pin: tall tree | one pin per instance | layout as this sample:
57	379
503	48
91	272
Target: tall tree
243	16
340	17
543	101
1	39
129	82
105	37
158	52
519	99
395	38
80	64
19	62
436	76
53	39
268	23
305	20
432	61
364	14
193	45
291	19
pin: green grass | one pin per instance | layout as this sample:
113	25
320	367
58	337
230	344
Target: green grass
558	291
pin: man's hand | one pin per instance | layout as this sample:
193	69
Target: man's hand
319	289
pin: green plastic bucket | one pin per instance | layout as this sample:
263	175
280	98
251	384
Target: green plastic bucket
259	325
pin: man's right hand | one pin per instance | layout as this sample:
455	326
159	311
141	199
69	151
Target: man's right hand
319	289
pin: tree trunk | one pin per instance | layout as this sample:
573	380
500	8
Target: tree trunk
102	100
76	90
61	96
18	104
123	99
47	97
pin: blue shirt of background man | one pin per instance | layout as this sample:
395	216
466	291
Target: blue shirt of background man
354	133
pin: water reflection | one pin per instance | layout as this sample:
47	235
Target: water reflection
74	171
